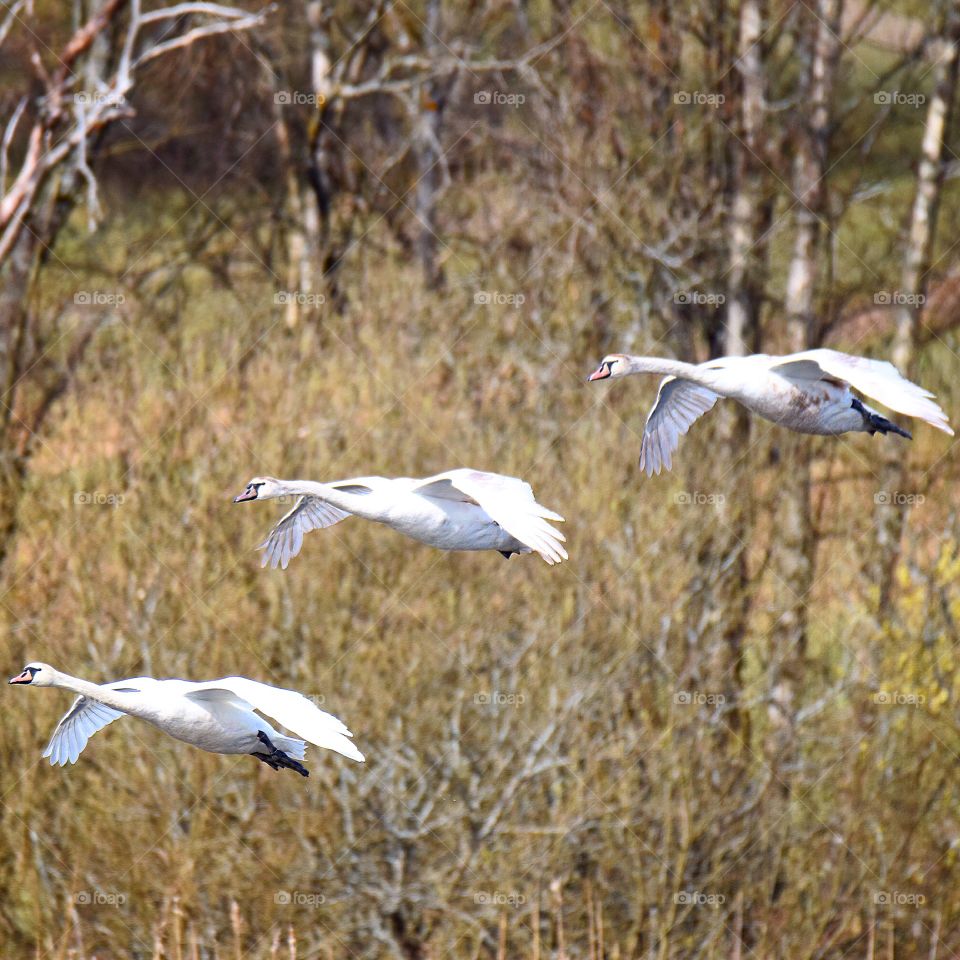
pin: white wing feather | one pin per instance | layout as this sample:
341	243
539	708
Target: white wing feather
877	379
678	405
290	709
84	718
509	501
284	541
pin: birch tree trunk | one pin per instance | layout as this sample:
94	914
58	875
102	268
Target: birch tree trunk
747	253
428	113
303	201
795	535
742	304
913	282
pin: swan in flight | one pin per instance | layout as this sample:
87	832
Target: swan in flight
216	716
457	510
809	392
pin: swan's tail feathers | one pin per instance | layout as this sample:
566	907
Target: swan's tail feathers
341	744
537	535
321	729
325	730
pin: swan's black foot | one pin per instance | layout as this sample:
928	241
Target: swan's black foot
277	759
507	554
877	424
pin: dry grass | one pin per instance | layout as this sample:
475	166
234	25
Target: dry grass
589	808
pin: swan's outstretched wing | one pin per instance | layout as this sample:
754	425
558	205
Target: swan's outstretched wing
84	718
290	709
508	501
877	379
678	405
285	539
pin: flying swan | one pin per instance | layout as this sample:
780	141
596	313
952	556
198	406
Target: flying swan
457	510
216	716
809	392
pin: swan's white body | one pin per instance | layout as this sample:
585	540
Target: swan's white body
809	392
457	510
217	716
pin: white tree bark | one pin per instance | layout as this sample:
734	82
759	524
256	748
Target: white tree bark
796	546
741	305
913	281
427	113
919	249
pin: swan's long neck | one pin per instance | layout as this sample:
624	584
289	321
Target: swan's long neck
299	488
350	502
92	690
667	368
710	376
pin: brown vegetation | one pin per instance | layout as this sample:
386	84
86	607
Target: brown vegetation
699	737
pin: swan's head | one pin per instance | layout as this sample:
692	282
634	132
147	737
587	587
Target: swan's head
39	674
612	365
261	488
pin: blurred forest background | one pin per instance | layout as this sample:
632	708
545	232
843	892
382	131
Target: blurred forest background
329	239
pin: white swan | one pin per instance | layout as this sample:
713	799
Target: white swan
809	392
457	510
217	716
